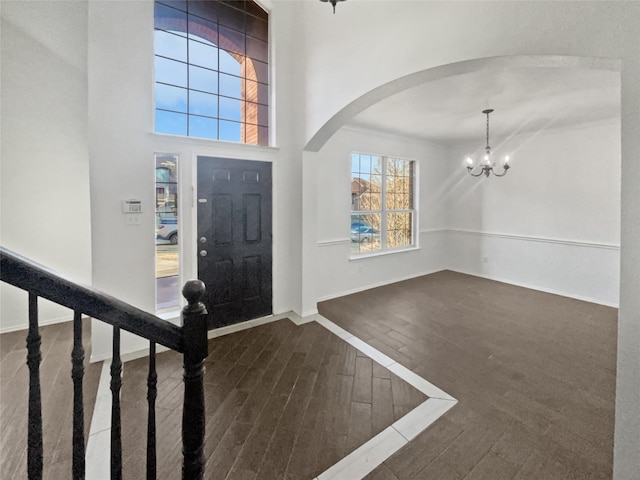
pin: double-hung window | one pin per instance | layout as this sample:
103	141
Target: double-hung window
382	203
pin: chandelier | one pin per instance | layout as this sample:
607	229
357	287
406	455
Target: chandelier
333	2
486	165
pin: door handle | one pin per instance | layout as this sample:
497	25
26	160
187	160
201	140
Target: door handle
203	253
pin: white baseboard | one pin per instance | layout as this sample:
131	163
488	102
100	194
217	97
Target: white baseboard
305	319
44	323
536	287
309	313
217	332
378	284
238	327
128	356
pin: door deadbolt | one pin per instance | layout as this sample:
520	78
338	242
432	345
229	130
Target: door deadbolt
203	240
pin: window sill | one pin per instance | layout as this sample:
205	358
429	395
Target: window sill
170	314
182	139
382	253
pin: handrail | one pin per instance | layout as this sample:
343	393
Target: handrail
39	280
190	339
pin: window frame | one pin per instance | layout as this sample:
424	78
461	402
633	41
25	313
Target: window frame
256	121
175	302
384	211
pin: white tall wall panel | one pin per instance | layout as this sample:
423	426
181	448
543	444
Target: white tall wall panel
44	186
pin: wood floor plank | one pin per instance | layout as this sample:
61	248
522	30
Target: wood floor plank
360	425
491	467
382	404
381	473
439	469
304	456
380	372
348	364
538	466
289	376
277	454
512	449
250	458
363	373
223	457
333	447
338	418
408	462
218	424
299	399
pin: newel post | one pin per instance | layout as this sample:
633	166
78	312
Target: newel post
194	334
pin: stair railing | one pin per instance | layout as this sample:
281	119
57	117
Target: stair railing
190	340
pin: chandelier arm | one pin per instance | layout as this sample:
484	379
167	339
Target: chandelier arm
470	170
504	172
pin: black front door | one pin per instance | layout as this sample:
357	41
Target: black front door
234	238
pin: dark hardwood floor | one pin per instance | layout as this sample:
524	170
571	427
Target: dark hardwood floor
282	401
57	399
534	375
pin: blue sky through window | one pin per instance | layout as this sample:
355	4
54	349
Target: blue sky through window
188	82
363	166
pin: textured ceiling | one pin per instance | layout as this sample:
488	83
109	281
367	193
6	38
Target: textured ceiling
524	100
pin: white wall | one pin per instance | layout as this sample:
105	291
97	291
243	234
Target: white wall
626	454
337	274
45	163
552	223
122	144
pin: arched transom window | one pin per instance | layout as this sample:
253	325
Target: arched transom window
212	70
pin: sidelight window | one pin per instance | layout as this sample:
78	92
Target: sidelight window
167	279
382	203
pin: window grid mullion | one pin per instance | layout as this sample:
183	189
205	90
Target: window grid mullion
188	82
383	214
218	88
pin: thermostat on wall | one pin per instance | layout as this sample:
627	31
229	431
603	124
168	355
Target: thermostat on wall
131	206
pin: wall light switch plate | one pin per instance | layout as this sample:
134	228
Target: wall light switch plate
132	220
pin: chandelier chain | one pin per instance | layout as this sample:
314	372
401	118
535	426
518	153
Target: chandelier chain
488	147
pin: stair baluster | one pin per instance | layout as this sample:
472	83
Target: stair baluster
152	392
34	357
194	331
77	374
116	430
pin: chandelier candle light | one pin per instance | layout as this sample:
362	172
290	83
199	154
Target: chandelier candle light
486	164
